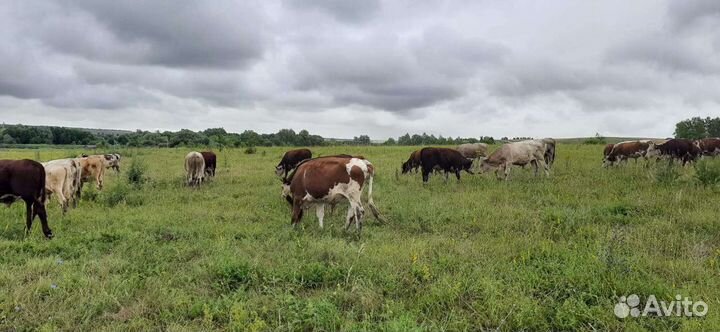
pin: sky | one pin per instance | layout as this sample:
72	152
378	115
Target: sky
344	68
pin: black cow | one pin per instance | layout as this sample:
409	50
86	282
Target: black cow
290	160
448	160
210	162
25	179
412	163
681	149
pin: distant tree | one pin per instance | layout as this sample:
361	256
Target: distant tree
362	140
693	128
390	141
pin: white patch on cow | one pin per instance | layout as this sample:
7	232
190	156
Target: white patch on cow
361	163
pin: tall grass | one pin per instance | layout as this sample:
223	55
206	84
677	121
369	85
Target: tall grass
479	254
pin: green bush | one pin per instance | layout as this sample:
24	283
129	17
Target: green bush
250	150
707	172
666	173
116	195
136	173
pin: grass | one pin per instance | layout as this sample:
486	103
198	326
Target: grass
529	254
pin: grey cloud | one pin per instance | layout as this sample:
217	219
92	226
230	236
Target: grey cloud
684	13
351	11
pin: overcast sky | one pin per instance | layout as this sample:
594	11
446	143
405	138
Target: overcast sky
342	68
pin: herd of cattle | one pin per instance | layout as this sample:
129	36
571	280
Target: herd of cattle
323	181
678	149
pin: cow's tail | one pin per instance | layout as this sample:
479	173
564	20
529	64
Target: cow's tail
371	203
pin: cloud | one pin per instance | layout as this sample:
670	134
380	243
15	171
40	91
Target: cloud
378	67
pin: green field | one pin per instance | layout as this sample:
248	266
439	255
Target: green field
528	254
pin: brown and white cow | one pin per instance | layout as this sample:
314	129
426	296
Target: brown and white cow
194	168
518	154
327	181
709	147
413	163
625	150
25	179
62	179
290	160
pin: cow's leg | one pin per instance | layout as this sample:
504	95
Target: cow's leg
425	175
447	175
457	174
63	202
297	212
545	167
320	212
507	172
39	209
350	216
28	216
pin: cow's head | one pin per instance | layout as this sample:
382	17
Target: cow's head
279	170
467	165
406	167
486	166
652	150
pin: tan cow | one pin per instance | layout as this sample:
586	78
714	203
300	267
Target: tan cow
194	168
519	154
93	167
62	178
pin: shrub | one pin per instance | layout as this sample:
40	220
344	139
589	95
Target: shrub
250	150
116	195
707	172
136	173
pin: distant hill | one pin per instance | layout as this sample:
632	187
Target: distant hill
580	140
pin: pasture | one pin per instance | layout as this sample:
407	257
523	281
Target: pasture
481	254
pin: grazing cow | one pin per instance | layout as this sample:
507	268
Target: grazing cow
606	151
25	179
210	162
413	163
448	160
680	149
62	178
473	150
290	160
709	146
625	150
549	151
327	181
93	167
195	168
519	154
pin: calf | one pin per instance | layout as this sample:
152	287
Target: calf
290	160
25	179
327	181
210	162
448	160
519	154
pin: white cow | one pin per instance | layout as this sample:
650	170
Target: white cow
63	179
195	168
517	153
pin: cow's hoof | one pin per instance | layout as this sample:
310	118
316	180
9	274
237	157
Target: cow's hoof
49	235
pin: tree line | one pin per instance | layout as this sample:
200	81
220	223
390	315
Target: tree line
212	137
697	127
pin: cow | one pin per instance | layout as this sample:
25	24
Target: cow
447	160
25	179
210	162
709	146
473	151
327	181
194	168
62	178
518	154
413	163
93	167
625	150
549	151
290	160
606	151
680	149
